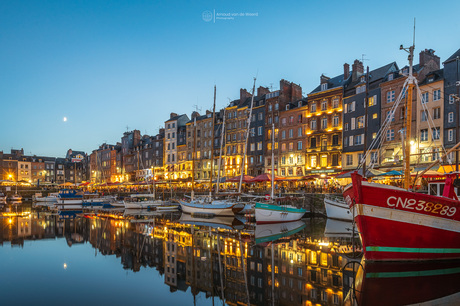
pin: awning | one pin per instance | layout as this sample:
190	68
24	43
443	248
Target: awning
369	173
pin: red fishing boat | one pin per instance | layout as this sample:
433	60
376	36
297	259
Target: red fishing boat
399	224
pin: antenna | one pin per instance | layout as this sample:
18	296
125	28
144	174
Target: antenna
413	43
197	108
363	58
127	128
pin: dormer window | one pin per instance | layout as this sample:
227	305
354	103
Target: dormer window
363	78
300	103
390	77
287	106
323	86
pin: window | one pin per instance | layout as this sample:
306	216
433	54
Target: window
450	117
287	106
323	86
335	140
283	121
313	124
313	142
299	132
374	157
299	145
436	113
352	107
390	77
324	105
276	106
335	103
283	147
324	123
313	165
360	122
353	120
451	99
435	133
359	139
450	135
425	98
260	116
269	107
283	134
390	134
390	116
259	145
374	116
335	121
259	131
424	135
436	95
390	96
372	100
252	146
291	133
346	126
313	107
424	116
349	159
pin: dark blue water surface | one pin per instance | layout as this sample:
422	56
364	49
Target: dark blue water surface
117	257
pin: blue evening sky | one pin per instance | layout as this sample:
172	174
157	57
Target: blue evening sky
109	65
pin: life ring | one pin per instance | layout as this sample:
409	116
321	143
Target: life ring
267	197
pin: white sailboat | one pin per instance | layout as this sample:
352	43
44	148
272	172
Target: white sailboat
209	206
274	213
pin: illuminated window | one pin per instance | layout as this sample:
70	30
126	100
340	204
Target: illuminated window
313	256
324	259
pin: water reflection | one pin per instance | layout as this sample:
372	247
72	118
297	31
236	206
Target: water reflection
227	259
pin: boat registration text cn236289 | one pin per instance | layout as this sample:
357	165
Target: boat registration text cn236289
420	205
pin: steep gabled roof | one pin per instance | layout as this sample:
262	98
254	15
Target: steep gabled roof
453	57
332	83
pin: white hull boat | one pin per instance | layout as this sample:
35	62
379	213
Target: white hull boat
337	208
273	213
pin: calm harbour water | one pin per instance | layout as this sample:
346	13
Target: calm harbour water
147	258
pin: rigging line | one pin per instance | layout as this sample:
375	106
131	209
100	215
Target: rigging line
386	124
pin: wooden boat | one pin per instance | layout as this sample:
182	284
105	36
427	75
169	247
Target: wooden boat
397	224
142	201
274	213
337	208
218	208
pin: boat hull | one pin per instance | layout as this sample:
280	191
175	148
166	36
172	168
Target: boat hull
218	209
272	213
399	225
337	209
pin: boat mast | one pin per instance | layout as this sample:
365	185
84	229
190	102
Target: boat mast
272	196
220	153
212	144
247	136
366	105
410	82
193	158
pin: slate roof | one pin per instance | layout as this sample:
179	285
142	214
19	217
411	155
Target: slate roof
452	57
437	75
332	83
175	117
376	74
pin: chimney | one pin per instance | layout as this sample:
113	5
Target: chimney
172	115
357	70
262	91
323	79
244	94
427	55
195	114
346	71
